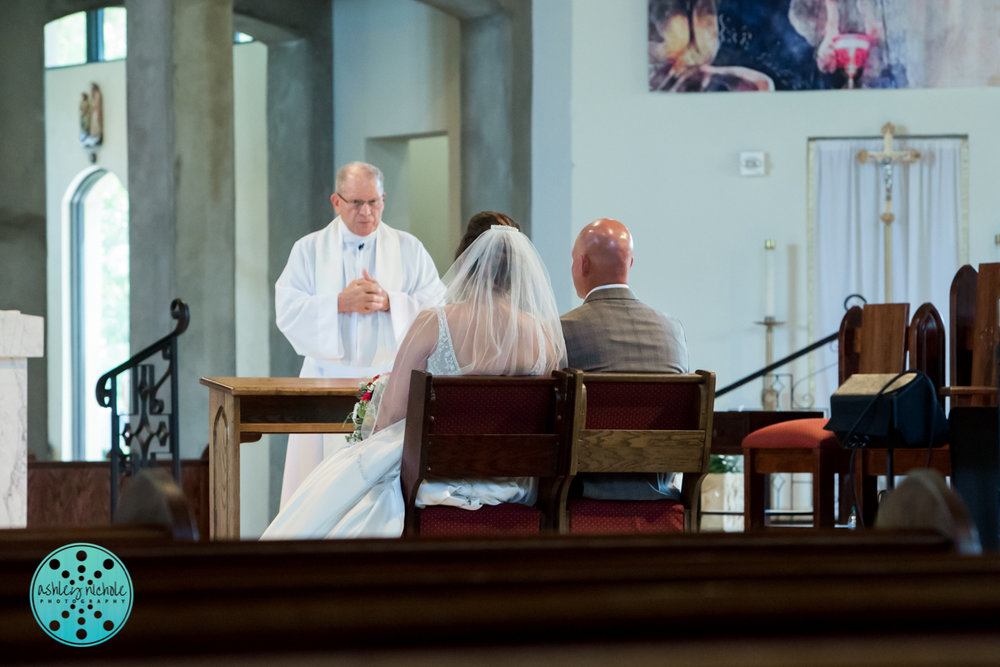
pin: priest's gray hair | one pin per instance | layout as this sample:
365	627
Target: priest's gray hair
359	168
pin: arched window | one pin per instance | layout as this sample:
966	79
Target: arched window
99	303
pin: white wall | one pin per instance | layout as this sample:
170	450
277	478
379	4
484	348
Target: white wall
666	165
553	227
396	75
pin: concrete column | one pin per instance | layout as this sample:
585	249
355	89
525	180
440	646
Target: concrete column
300	155
22	188
299	150
496	105
300	178
180	126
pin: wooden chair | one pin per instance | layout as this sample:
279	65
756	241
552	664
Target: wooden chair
642	423
974	336
973	395
475	427
926	352
872	340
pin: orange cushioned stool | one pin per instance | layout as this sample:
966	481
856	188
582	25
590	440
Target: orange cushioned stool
800	445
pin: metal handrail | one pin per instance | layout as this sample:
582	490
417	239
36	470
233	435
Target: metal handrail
144	392
780	362
794	355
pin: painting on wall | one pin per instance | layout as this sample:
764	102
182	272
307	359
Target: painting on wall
763	45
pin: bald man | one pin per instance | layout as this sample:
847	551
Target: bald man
615	332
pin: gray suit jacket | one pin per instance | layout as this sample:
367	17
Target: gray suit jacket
615	332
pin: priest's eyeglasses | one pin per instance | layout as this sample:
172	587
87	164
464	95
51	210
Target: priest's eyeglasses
358	204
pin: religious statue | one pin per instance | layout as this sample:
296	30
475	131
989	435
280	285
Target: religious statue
92	118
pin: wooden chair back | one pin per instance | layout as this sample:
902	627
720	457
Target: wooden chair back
975	334
985	327
962	313
926	343
647	422
873	339
478	426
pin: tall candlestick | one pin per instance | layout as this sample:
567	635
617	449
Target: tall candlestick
769	286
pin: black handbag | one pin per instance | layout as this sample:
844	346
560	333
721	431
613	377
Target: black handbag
887	410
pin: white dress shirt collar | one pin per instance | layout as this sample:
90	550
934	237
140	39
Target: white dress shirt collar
609	286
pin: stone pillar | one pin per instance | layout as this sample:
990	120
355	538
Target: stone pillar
181	187
496	112
22	187
496	105
299	150
21	336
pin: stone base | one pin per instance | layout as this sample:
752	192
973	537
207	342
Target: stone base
13	443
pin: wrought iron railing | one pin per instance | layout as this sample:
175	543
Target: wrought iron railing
149	427
851	299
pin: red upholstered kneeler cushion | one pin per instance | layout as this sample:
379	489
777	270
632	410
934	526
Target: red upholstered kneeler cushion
624	516
503	519
802	433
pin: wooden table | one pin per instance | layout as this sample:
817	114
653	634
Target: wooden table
242	409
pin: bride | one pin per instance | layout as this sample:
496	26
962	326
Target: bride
499	318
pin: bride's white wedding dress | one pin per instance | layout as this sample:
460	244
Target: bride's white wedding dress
356	493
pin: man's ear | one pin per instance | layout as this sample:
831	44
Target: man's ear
333	200
585	265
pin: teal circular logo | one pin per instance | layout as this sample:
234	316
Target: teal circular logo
81	594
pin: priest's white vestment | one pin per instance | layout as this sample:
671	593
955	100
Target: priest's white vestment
345	345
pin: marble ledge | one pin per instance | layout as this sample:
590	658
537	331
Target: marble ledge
21	335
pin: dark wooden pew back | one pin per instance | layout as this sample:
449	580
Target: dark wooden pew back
289	598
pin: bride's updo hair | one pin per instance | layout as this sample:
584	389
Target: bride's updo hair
479	223
508	314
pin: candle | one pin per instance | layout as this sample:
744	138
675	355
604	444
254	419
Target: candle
769	286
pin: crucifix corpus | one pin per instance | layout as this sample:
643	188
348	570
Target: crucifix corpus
885	159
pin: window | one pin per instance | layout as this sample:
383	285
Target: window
94	36
99	307
113	33
66	41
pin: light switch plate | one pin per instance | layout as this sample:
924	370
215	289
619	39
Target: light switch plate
753	163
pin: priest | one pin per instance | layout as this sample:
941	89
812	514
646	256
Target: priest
347	296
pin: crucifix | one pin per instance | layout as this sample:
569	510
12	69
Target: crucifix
885	159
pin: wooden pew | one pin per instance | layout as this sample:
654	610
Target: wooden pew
421	597
77	493
152	511
482	426
640	423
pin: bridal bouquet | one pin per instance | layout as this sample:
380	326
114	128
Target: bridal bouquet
357	416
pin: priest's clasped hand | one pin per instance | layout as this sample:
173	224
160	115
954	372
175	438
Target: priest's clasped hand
363	295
